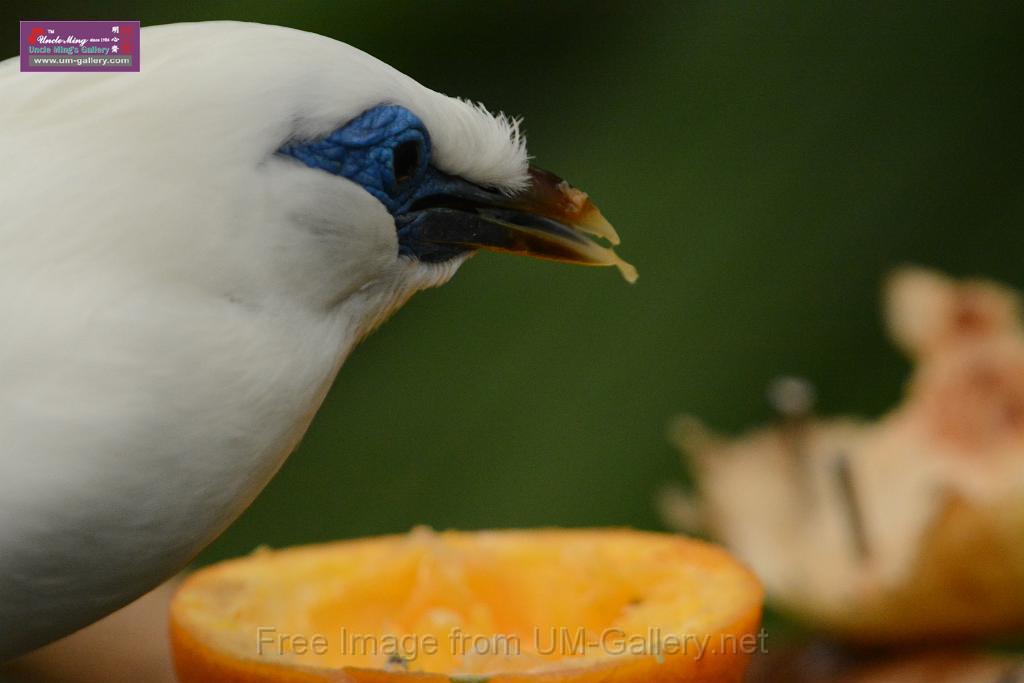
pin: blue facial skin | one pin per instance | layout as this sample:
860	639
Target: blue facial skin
387	151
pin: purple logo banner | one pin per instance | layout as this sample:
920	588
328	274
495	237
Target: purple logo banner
79	46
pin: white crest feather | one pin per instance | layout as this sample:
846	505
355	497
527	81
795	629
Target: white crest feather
470	141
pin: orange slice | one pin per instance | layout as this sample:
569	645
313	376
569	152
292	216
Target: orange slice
554	605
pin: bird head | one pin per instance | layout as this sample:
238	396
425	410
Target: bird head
402	179
274	164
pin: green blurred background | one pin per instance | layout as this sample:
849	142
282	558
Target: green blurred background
766	164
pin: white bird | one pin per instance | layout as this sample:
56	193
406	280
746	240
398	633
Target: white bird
188	255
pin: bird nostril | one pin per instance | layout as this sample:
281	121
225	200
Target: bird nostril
445	201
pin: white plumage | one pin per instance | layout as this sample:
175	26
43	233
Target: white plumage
176	299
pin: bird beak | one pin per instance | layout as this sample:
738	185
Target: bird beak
550	220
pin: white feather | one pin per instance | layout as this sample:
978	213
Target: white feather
175	300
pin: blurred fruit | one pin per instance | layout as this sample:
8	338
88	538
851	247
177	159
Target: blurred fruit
498	606
951	667
906	529
821	662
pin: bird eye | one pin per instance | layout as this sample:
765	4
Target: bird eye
406	160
